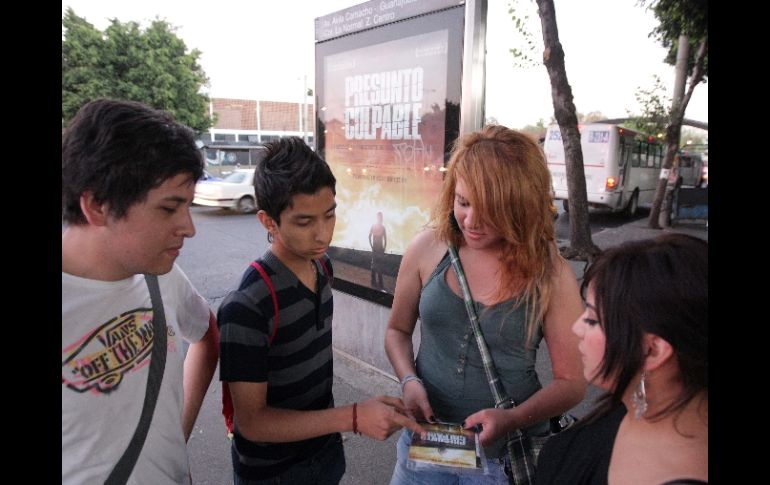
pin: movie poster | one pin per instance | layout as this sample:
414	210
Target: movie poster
384	126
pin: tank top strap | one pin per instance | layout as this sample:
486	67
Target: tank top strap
440	268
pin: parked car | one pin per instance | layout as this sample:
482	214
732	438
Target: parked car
209	177
236	191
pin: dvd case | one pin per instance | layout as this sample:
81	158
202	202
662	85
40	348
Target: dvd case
448	447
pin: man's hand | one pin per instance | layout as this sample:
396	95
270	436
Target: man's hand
381	416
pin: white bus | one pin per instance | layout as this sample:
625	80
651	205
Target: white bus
621	171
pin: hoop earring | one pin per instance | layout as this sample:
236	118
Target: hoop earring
270	237
639	398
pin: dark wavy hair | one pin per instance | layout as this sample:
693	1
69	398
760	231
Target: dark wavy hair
119	150
289	167
657	286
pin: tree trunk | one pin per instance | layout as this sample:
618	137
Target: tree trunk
674	127
581	245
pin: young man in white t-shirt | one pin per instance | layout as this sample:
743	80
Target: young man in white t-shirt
128	179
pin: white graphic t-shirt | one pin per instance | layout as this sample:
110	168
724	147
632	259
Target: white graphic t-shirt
106	345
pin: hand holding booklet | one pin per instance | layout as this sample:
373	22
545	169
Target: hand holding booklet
448	448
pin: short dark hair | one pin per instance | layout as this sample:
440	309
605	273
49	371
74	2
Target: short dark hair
289	167
119	150
657	286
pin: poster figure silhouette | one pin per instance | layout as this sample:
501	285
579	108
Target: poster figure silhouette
378	241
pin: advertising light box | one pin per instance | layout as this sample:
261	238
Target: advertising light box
388	108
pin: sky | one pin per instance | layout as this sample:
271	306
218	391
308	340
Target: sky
264	49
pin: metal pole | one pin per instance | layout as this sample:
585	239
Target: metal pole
304	109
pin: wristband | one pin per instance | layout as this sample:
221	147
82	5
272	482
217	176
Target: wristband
407	378
355	419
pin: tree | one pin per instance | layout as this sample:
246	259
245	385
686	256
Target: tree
581	245
536	131
694	136
149	65
591	117
683	30
655	111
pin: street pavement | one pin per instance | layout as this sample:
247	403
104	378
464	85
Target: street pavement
370	462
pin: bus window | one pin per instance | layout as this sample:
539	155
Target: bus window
628	148
653	156
648	149
635	160
623	153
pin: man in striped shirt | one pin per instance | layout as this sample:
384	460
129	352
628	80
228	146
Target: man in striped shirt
287	429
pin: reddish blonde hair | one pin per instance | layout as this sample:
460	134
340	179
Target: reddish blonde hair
510	189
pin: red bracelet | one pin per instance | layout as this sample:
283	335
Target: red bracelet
355	419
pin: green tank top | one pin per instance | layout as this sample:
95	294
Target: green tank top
448	359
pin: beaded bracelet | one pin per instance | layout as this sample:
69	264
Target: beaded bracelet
407	378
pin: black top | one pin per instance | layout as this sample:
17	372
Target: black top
581	455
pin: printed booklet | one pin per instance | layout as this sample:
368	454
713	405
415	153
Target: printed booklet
448	447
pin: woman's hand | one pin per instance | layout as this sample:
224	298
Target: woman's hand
495	423
416	401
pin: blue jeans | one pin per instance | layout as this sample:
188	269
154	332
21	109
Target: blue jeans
324	468
404	476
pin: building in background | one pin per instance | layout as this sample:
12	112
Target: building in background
243	125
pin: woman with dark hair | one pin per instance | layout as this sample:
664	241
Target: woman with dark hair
644	339
495	208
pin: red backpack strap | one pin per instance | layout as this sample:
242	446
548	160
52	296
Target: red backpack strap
270	287
227	399
323	265
227	409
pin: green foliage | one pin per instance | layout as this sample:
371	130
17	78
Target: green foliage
695	136
591	117
527	55
537	131
149	65
680	17
655	115
654	103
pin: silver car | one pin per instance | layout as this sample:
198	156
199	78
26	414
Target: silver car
236	191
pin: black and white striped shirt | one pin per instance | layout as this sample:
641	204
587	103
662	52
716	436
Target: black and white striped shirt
297	365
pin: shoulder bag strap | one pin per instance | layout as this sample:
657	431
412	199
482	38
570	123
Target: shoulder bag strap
125	465
493	378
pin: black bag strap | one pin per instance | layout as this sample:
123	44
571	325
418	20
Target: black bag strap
125	465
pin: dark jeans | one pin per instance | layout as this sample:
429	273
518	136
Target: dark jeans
324	468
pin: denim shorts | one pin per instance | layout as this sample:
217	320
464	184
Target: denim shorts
324	468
